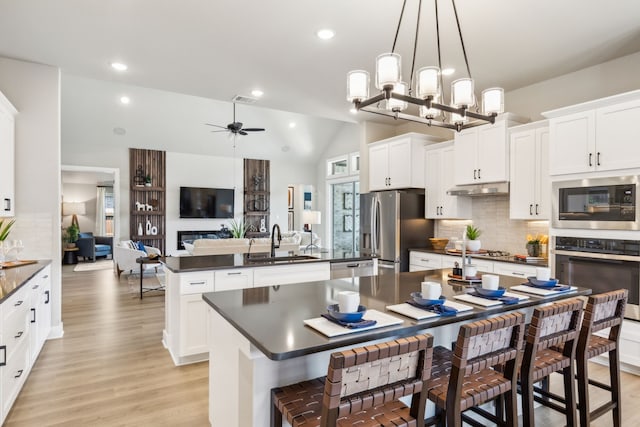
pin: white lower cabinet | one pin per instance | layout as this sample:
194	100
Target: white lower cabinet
238	278
288	274
515	270
421	261
25	322
185	330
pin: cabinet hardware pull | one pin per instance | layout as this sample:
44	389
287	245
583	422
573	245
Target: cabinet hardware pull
517	274
19	334
7	205
530	209
424	260
4	355
47	294
598	159
45	276
353	265
479	174
474	174
35	286
537	209
19	374
33	310
196	283
590	155
234	273
18	303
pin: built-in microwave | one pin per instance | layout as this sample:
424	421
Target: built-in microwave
597	203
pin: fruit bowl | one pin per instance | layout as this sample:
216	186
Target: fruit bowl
438	243
346	317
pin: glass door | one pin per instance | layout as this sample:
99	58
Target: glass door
346	217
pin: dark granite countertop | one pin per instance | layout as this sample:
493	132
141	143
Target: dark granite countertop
12	279
509	258
271	318
188	263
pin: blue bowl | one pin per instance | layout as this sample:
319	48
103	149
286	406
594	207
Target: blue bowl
417	298
542	283
493	293
346	317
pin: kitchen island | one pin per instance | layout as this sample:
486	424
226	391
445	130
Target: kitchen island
258	339
188	277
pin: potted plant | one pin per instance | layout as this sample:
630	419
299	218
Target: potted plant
147	181
239	228
73	231
5	229
473	244
533	245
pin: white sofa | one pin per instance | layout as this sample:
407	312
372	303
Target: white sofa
291	242
125	256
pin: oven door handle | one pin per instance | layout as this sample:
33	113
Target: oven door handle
597	256
596	260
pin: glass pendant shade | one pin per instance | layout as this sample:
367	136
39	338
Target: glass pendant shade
428	82
387	70
357	85
395	104
462	92
493	100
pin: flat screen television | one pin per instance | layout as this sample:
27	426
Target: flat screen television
206	202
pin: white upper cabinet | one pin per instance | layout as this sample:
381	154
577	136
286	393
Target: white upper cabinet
438	179
398	162
530	185
482	153
7	148
600	135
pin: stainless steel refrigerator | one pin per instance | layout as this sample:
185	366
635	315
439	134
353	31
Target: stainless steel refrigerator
392	222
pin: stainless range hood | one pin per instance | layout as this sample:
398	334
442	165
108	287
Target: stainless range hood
477	190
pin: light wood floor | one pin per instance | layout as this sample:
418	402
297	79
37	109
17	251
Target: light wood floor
111	369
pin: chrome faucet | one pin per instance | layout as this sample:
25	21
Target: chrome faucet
273	235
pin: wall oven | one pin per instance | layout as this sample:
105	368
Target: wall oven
602	265
597	203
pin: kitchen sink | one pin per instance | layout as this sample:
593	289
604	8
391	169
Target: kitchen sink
282	259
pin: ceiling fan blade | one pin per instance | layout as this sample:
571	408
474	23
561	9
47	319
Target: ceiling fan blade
253	129
215	131
242	132
218	126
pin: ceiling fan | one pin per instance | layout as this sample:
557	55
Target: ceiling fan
235	128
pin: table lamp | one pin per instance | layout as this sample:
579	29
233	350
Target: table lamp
311	218
74	209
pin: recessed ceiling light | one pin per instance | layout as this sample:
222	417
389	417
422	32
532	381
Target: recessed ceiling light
257	93
125	99
448	71
353	111
119	131
119	66
325	34
285	148
292	125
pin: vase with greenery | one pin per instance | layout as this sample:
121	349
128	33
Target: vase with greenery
73	232
5	228
473	243
147	181
533	245
239	228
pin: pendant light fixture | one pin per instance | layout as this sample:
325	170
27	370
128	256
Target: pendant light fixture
395	95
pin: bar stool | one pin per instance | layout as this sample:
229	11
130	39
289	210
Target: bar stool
602	311
465	378
362	388
550	346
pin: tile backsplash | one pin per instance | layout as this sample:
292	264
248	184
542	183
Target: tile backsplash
499	232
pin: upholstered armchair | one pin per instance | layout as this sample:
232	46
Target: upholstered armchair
91	247
125	256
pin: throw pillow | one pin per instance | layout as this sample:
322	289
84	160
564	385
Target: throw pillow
141	246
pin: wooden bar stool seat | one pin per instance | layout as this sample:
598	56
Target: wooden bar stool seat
362	388
602	311
550	346
465	378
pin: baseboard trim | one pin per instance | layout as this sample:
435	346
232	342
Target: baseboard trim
56	332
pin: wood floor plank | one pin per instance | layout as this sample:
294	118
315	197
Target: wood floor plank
110	368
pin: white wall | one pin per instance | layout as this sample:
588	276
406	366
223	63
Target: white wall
84	193
34	90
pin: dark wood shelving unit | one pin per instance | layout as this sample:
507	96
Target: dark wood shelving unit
257	194
152	163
